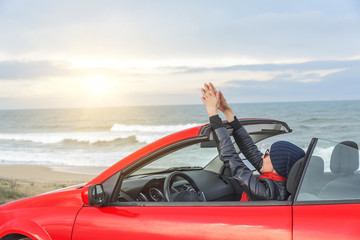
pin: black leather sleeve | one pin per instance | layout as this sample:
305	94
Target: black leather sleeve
248	147
215	121
255	189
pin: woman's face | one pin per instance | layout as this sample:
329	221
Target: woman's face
267	164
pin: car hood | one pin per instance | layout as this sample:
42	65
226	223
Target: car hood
71	195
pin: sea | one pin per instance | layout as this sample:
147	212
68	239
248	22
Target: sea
103	136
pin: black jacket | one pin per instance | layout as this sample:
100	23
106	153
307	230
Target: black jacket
256	189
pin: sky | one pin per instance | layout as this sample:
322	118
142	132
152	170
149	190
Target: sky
56	54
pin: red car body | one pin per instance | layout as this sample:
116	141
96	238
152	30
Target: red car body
71	213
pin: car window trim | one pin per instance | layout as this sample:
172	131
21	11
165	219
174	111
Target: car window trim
245	122
202	204
327	202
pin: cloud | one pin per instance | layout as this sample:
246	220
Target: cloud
341	85
37	70
304	66
162	30
256	51
296	82
32	70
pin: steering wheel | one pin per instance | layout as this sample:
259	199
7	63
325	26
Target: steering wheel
194	194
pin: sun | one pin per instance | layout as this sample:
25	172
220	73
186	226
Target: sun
98	85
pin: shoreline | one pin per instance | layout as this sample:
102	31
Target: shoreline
20	181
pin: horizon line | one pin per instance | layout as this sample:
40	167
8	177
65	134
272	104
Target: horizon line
169	105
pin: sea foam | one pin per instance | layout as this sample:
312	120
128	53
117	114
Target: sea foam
152	128
141	134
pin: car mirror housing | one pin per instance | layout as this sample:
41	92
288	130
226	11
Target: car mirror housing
96	195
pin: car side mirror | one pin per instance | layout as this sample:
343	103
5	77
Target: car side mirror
96	195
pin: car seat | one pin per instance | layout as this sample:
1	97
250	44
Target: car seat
312	183
294	178
343	164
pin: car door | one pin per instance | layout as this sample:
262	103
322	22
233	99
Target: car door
187	220
327	205
228	220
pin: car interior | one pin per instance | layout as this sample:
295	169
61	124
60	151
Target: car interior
192	172
203	177
336	178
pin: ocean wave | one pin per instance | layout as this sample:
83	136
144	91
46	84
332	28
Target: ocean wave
151	128
101	143
81	138
126	136
118	133
126	140
49	138
61	158
312	119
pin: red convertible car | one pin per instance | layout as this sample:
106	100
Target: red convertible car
178	188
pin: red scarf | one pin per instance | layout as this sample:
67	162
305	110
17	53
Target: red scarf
269	175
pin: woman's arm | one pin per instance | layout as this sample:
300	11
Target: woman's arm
248	147
227	152
240	172
241	136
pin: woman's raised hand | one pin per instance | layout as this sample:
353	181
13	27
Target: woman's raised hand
211	99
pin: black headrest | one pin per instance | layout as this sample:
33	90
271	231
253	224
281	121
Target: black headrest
294	176
345	158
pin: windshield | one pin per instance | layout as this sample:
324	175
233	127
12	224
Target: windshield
191	157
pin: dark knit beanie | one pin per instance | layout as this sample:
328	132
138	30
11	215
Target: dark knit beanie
283	156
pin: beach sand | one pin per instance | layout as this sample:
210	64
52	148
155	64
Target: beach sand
19	181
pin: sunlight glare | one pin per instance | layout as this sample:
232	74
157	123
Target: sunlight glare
98	85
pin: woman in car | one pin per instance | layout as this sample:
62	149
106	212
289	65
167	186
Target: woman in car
274	165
